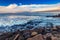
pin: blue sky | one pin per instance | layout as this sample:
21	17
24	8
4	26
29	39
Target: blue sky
7	2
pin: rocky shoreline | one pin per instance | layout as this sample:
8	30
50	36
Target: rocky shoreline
35	34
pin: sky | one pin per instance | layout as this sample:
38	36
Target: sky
7	2
15	6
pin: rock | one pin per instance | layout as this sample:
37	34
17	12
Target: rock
34	33
38	30
27	34
48	34
54	38
37	37
48	38
29	27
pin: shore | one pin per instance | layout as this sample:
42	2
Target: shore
35	34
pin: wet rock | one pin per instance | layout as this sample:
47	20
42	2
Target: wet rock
29	27
26	34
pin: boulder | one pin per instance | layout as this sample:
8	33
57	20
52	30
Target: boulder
34	33
54	38
37	37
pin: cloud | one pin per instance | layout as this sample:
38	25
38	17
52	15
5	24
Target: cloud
14	8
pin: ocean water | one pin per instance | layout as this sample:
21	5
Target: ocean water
12	20
7	21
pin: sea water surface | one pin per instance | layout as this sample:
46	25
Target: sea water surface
15	19
8	20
